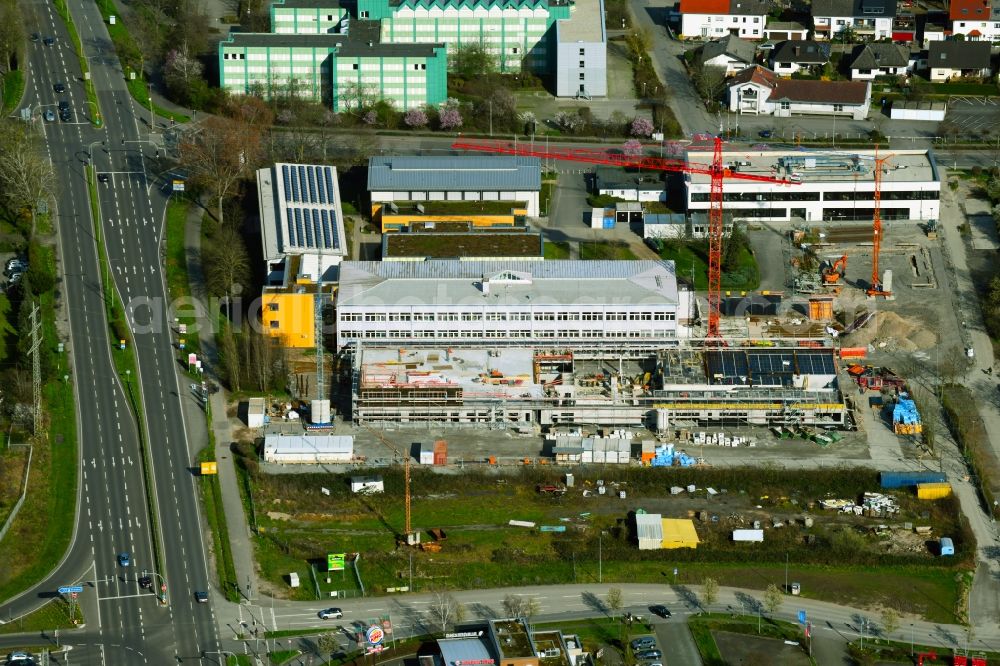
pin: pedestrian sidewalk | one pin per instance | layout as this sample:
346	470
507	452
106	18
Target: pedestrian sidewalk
236	519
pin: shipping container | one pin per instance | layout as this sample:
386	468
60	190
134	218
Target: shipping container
748	535
907	479
440	452
933	491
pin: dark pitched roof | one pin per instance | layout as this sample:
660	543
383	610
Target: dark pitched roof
734	47
805	52
880	54
748	7
855	8
361	40
794	90
959	55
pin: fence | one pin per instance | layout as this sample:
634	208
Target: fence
20	500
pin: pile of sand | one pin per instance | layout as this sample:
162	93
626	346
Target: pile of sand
888	330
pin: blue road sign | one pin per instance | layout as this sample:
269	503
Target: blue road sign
802	617
69	589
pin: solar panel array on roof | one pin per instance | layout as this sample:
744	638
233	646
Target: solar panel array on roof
310	207
766	367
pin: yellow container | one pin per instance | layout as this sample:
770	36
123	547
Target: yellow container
933	491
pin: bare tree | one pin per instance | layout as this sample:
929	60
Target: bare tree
709	81
226	264
11	35
327	643
445	610
230	358
221	154
710	591
515	605
773	598
26	176
615	600
890	621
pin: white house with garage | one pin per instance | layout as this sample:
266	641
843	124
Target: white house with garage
711	19
759	91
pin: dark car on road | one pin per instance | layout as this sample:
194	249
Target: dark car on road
660	610
59	87
765	134
201	597
20	659
49	41
102	177
146	582
646	655
65	113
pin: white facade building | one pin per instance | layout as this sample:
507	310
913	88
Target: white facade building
581	43
759	91
308	449
456	178
830	186
974	19
870	19
710	19
513	303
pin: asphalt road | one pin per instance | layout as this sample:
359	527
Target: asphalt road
126	625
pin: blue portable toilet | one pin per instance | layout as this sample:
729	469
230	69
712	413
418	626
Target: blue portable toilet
947	546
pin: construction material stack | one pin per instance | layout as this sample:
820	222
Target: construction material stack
905	417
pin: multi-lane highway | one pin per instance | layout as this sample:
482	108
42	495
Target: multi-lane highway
126	624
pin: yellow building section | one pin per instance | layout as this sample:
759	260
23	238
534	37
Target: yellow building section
449	215
290	318
679	533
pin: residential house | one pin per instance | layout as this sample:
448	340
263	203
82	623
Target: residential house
867	19
709	19
974	19
782	30
935	30
729	53
759	91
797	55
904	28
949	60
881	59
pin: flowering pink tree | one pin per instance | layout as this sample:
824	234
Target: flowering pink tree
642	127
415	118
632	148
450	118
370	118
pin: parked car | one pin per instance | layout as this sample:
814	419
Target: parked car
20	659
644	643
647	655
124	559
59	87
16	265
15	277
765	134
331	614
654	244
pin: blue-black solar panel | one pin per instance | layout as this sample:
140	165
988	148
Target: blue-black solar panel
302	185
329	183
317	229
320	188
325	226
289	222
334	240
309	229
313	196
288	186
294	175
298	224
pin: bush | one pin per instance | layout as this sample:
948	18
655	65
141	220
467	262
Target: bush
966	425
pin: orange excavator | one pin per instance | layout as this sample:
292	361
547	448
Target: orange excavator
834	272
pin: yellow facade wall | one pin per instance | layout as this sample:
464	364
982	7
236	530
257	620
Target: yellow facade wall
289	317
401	221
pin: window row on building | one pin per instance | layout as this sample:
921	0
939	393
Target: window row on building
834	195
500	334
505	316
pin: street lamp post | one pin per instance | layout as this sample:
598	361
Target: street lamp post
911	638
786	573
151	112
600	557
224	653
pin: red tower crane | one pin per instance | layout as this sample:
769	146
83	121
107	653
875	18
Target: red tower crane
717	170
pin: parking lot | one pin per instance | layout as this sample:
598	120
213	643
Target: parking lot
974	115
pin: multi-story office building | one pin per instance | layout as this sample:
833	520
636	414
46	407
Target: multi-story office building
396	49
335	68
579	304
824	186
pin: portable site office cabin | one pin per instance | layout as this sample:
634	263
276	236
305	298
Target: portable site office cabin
309	449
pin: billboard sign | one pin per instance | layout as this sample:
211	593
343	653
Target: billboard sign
335	561
374	635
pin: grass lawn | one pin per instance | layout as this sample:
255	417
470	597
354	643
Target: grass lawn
13	89
545	196
53	615
484	244
211	494
177	270
694	253
281	656
594	250
556	250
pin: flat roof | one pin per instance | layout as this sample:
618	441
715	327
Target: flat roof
767	367
464	650
649	526
309	443
513	639
454	173
479	373
304	215
447	282
354	43
901	166
585	23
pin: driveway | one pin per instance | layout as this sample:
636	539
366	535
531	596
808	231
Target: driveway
675	639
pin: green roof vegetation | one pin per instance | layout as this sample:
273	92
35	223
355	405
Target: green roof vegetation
459	207
487	244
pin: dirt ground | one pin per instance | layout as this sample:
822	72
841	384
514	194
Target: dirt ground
741	649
